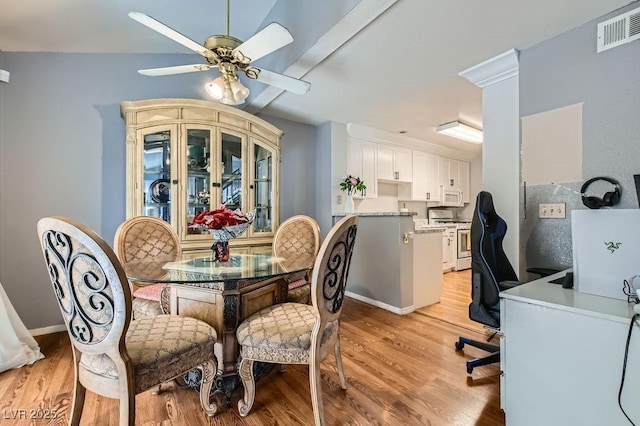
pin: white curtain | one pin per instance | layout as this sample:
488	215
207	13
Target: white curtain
17	346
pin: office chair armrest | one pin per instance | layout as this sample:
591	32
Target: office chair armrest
506	285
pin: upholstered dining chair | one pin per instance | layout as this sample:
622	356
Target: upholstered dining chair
298	235
115	356
139	238
295	333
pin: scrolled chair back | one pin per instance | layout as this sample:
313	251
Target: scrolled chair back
331	270
88	282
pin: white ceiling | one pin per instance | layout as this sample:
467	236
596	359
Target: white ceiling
400	73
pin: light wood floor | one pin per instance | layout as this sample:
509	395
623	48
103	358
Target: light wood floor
401	370
454	305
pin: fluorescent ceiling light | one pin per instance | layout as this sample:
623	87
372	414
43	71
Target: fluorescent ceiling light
462	131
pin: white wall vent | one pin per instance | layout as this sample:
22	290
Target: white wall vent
619	30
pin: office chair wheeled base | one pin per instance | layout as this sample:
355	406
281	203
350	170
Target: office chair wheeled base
494	355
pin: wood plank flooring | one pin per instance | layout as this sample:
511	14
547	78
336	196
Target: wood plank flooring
401	370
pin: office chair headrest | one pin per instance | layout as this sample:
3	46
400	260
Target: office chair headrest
486	203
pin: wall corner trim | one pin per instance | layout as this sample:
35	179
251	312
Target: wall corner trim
494	70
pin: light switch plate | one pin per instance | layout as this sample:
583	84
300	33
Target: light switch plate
552	211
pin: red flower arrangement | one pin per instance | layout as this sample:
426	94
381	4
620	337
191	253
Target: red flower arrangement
224	224
222	216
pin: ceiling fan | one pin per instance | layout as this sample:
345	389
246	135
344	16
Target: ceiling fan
229	55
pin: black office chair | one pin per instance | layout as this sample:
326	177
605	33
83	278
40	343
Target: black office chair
491	272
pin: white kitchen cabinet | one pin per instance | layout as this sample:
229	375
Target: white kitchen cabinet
362	162
449	249
394	163
464	180
449	174
454	175
424	182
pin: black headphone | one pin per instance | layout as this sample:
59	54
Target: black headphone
609	199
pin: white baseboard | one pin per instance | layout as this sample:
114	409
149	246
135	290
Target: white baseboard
48	330
377	303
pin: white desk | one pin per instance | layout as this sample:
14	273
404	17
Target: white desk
561	356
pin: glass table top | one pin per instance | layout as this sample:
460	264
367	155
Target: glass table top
204	269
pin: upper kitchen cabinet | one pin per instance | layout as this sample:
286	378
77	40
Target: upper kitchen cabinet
464	168
394	163
186	156
449	174
362	163
454	178
425	185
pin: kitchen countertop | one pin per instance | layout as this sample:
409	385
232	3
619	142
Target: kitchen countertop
377	214
428	230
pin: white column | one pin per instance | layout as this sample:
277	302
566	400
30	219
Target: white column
498	78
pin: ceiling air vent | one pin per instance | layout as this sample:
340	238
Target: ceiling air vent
619	30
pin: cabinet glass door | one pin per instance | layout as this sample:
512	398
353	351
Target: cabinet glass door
263	159
156	179
231	171
197	189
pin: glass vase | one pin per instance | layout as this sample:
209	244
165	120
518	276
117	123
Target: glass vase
349	205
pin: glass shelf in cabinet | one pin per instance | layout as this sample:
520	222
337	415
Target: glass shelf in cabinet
231	176
162	171
198	172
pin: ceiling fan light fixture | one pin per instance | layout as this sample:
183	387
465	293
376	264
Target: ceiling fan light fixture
227	90
459	130
240	92
216	88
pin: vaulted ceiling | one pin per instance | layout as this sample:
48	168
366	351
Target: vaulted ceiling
389	64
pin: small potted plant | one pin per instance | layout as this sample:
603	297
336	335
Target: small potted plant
351	184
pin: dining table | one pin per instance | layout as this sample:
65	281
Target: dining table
221	294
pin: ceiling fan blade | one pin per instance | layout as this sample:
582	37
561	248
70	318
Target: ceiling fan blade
180	69
269	39
171	33
285	82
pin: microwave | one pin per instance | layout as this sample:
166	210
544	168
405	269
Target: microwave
451	198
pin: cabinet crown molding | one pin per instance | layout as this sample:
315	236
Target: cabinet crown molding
155	104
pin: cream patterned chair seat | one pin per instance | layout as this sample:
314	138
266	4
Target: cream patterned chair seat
160	349
281	333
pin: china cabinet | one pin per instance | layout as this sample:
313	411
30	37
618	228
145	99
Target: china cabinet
186	156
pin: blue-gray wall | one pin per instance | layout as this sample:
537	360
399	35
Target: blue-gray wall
297	176
566	70
62	153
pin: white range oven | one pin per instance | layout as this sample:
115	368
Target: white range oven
463	243
463	235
